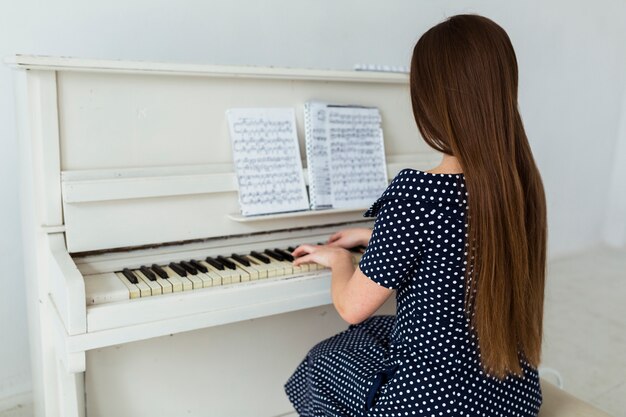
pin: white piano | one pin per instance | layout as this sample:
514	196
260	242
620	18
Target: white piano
148	294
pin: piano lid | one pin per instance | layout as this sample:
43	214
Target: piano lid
143	153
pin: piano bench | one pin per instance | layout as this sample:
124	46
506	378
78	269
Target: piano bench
559	403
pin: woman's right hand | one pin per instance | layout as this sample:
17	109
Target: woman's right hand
350	238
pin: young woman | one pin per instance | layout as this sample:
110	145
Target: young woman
466	339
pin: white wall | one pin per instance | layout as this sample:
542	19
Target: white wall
572	58
615	219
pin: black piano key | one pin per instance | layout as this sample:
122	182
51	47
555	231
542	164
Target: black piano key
178	269
160	271
199	266
130	276
149	274
240	259
291	248
214	263
228	264
284	254
260	257
189	267
273	254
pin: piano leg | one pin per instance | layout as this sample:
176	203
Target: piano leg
71	392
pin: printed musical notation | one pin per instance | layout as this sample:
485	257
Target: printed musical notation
266	157
317	154
358	172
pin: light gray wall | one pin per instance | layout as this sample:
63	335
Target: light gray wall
571	53
615	219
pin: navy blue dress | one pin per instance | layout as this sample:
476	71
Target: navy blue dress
424	360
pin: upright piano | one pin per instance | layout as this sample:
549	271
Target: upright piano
148	293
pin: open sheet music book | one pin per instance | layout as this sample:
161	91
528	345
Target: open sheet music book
266	157
358	172
345	155
344	150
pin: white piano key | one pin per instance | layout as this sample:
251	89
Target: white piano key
166	285
299	268
322	267
211	278
174	279
202	279
133	289
207	280
228	276
105	288
237	275
277	267
155	288
216	279
303	267
187	283
244	275
250	270
264	271
222	276
196	281
144	289
288	267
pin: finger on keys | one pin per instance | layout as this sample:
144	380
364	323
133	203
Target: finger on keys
303	250
306	259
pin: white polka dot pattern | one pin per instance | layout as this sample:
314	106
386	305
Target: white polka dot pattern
425	360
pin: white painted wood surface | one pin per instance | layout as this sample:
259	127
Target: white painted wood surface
41	209
165	118
233	370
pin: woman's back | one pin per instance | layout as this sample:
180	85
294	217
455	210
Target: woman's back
431	341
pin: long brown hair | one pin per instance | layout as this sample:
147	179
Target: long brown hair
464	81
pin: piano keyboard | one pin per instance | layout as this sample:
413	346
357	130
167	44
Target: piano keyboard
192	274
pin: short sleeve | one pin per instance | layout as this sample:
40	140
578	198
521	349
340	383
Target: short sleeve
393	252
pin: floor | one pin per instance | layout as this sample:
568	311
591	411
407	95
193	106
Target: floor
584	328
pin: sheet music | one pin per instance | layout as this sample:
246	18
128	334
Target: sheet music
358	169
317	154
266	157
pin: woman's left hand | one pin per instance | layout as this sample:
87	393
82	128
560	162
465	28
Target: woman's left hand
320	254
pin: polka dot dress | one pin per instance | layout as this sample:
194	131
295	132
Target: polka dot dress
423	361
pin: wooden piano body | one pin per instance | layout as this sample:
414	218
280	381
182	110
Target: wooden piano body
129	163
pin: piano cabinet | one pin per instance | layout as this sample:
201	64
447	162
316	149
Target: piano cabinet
128	164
